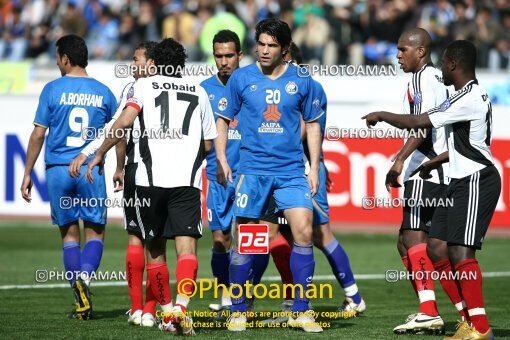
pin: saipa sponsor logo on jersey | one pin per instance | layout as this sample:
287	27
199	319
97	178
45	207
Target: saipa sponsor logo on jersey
272	115
232	131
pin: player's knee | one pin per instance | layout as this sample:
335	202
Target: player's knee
303	235
400	247
437	250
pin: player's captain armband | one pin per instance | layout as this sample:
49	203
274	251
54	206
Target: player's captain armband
133	102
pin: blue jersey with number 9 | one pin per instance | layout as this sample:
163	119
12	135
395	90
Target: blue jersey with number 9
74	109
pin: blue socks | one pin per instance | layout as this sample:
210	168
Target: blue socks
302	266
91	256
239	273
260	263
71	254
219	264
341	267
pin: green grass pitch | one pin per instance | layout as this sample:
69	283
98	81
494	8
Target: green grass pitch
40	313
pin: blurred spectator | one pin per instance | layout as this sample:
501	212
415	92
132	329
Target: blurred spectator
103	37
436	17
499	57
146	24
128	37
383	22
483	34
312	37
91	11
73	21
43	28
180	25
14	36
217	23
462	24
329	31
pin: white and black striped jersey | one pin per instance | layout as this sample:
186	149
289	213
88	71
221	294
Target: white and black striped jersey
467	118
132	153
175	117
425	91
132	148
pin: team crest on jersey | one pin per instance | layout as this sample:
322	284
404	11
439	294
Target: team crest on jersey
417	98
211	96
222	104
291	88
131	92
445	105
253	87
317	104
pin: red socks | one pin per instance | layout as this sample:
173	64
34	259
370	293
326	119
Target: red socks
444	270
159	277
280	250
407	264
135	265
150	300
422	269
470	279
187	266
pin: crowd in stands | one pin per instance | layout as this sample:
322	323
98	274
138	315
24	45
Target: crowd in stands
328	31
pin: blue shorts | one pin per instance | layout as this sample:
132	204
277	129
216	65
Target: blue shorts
75	198
320	200
220	203
253	193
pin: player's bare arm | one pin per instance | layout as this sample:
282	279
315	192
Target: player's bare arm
223	171
118	176
78	161
34	149
398	121
125	120
314	140
396	169
430	165
208	143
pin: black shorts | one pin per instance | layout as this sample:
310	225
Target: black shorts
172	212
474	199
272	215
130	219
418	216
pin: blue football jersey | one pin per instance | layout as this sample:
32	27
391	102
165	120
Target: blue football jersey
215	90
270	118
319	91
74	109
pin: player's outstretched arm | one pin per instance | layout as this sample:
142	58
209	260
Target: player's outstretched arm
314	141
125	120
34	149
118	176
398	121
396	169
223	171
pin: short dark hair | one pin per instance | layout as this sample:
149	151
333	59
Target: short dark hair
463	52
149	47
74	48
275	28
226	36
170	52
295	53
